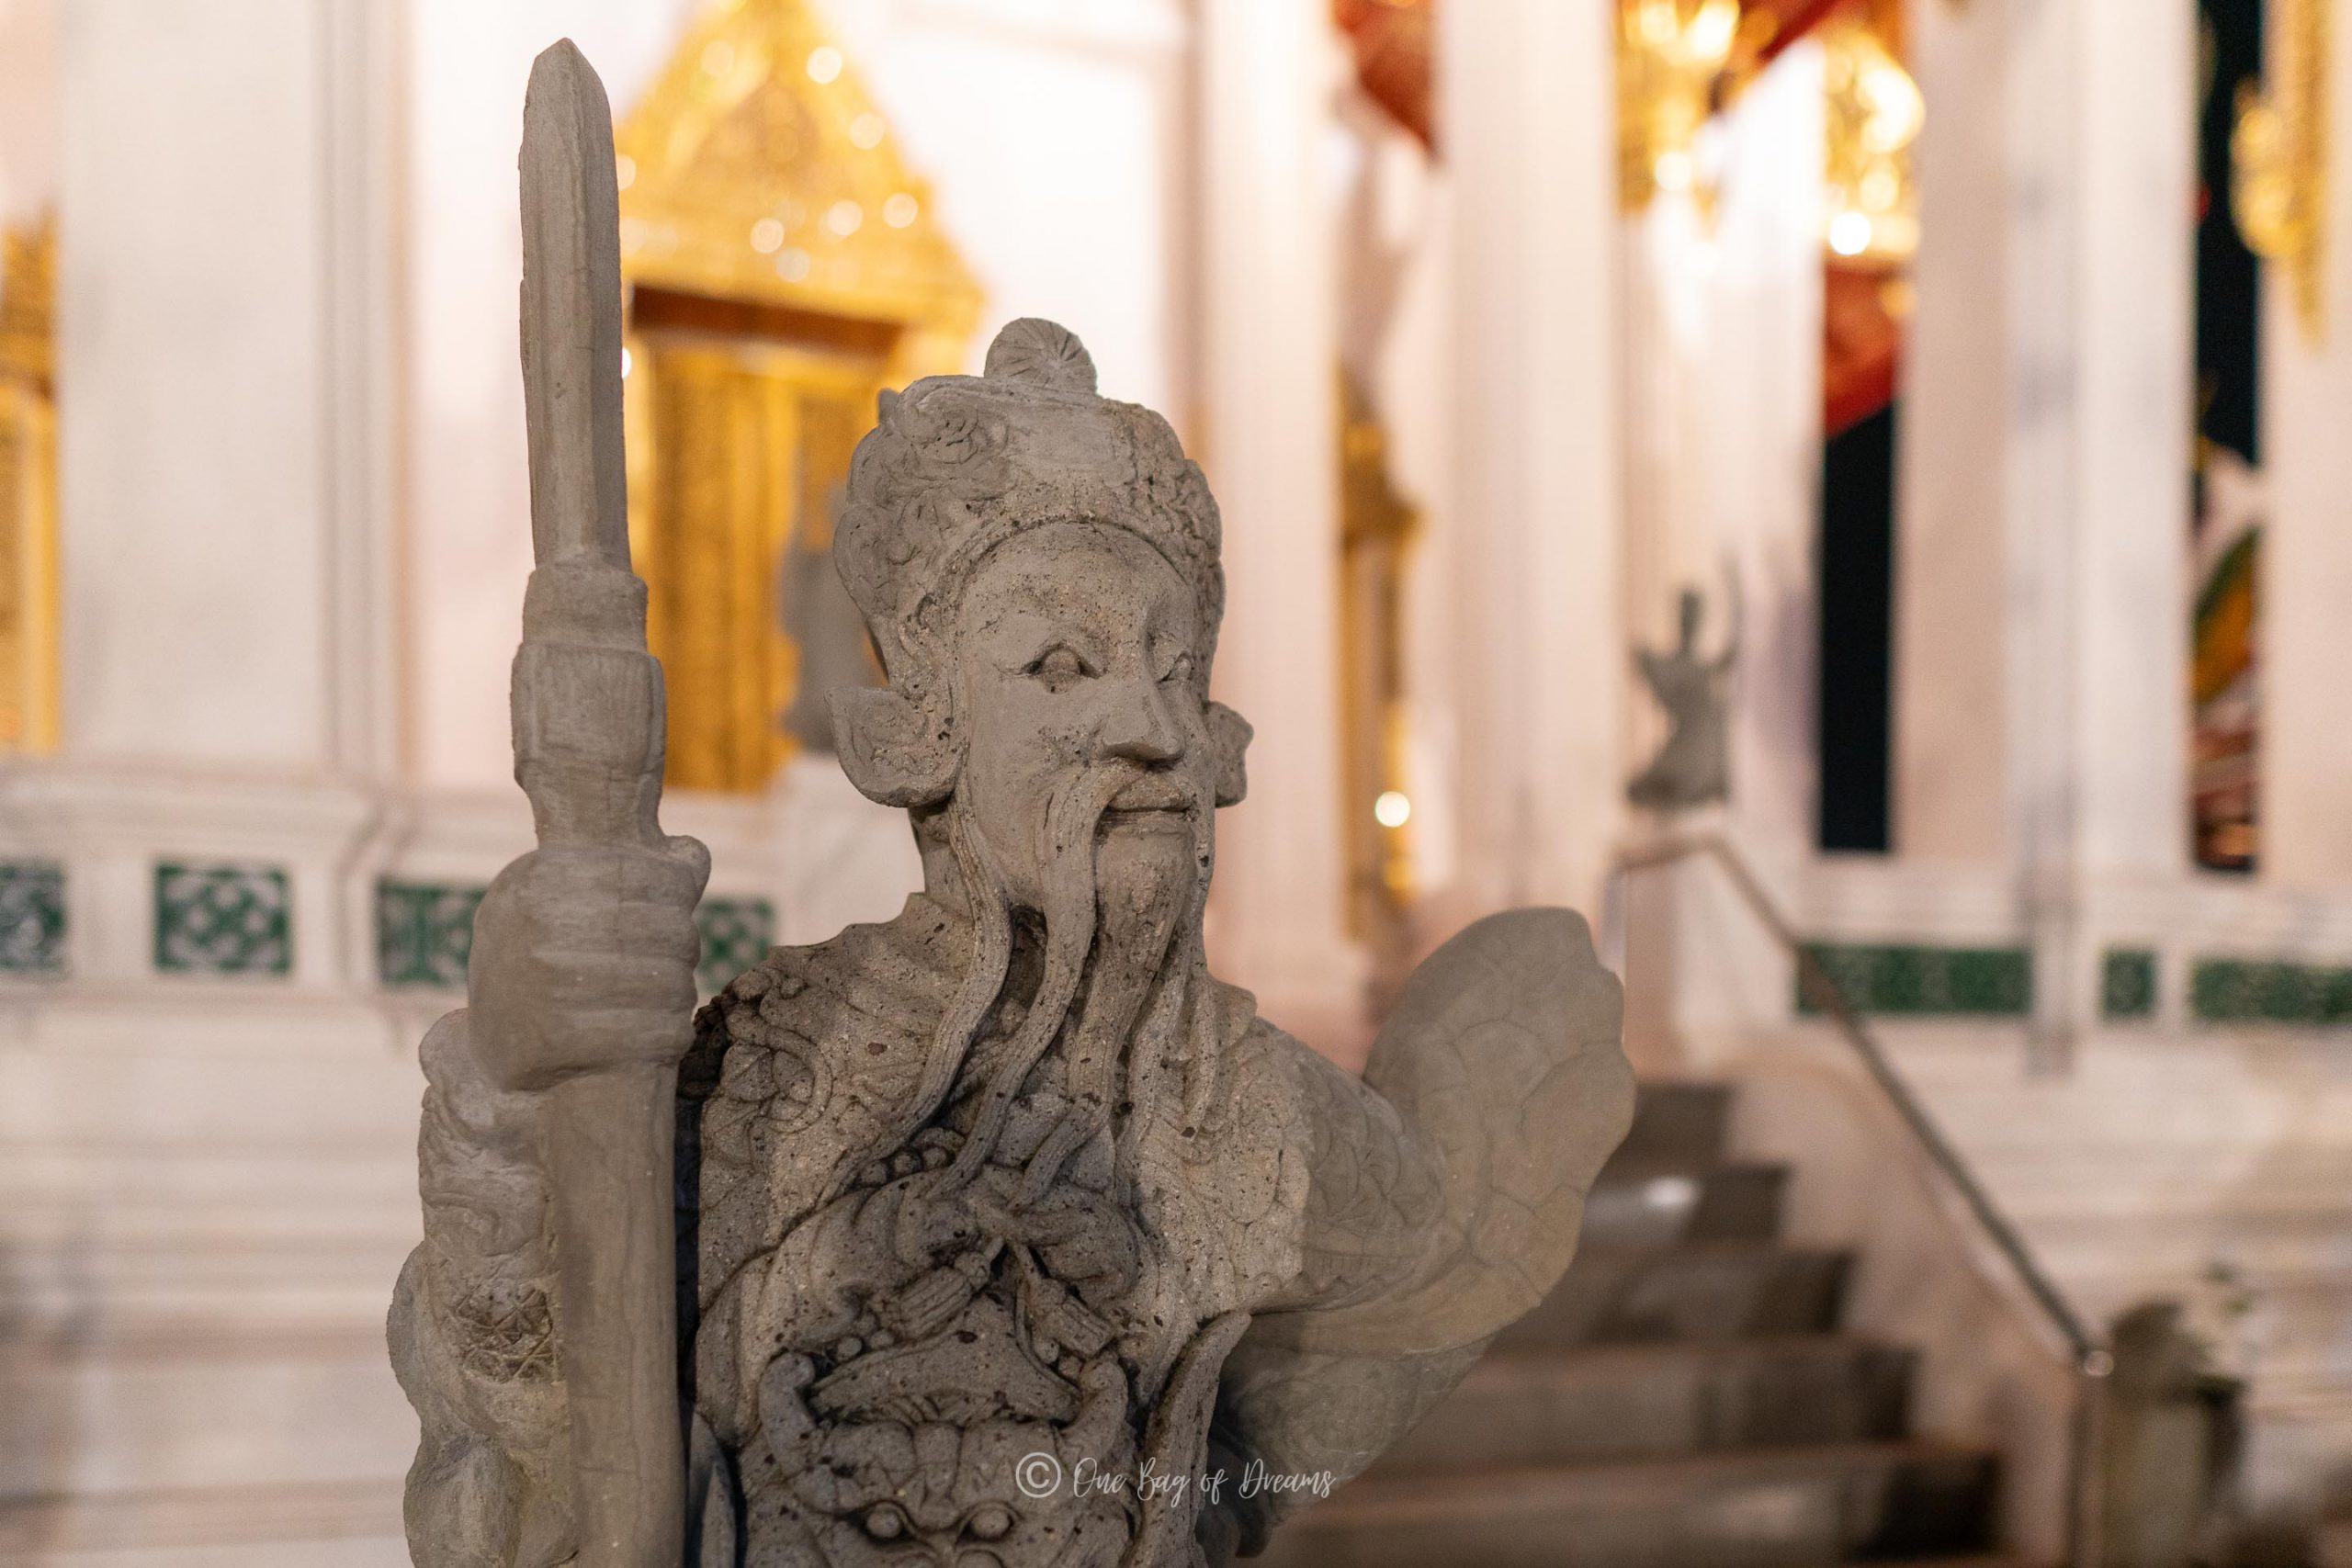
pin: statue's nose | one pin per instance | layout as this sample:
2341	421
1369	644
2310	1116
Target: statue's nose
1139	728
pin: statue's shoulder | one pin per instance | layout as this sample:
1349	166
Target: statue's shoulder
884	983
808	1064
1223	1152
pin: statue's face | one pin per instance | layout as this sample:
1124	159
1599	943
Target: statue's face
1075	651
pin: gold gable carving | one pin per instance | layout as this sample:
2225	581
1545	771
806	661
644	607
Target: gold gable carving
782	265
758	168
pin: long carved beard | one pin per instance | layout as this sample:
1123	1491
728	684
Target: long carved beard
1111	903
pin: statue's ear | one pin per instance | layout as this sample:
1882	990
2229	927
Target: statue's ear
1229	738
894	751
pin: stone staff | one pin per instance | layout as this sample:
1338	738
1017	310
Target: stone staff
589	734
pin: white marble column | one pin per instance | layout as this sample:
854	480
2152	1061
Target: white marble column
1527	98
2097	334
1951	756
1723	335
2305	633
1269	378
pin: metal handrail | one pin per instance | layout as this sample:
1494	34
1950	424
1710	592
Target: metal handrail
2091	1359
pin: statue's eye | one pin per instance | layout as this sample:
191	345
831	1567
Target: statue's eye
885	1521
1058	667
989	1521
1179	673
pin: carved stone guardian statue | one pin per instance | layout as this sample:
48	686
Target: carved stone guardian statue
1002	1229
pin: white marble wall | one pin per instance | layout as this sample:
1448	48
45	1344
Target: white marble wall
27	109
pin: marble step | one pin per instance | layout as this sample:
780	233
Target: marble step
1657	1203
316	1523
195	1415
1675	1120
1706	1290
1772	1508
1652	1401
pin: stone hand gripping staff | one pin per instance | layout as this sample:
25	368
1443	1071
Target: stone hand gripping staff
999	1193
581	980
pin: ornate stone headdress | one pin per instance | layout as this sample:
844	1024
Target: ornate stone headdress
958	464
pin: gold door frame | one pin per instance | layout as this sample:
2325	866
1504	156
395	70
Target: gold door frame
29	626
777	256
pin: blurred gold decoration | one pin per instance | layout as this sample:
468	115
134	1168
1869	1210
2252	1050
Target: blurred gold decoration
782	265
1671	60
759	169
1391	41
29	489
1875	114
2278	154
1377	527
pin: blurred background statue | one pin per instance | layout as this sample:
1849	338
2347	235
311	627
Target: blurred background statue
1693	768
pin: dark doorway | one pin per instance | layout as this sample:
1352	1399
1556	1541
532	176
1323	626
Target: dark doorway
1857	653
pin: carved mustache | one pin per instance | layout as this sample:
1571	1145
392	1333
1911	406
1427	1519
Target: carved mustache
1154	792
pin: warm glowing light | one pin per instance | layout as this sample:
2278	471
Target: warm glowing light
625	171
1673	172
1849	233
793	267
843	216
1896	109
1658	23
767	236
625	363
865	132
824	63
1711	32
899	210
720	58
1393	809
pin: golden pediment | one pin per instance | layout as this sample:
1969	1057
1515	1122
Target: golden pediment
758	168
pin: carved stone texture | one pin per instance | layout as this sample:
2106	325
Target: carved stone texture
1003	1225
1693	768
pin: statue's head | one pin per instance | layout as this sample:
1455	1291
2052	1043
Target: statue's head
1039	569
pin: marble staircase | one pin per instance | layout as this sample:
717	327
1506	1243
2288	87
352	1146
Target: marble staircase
1687	1398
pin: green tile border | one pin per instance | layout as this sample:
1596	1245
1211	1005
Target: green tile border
2128	984
736	934
2244	990
424	933
1917	980
32	919
224	920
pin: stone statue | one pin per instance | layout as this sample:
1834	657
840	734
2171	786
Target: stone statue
1005	1236
1693	768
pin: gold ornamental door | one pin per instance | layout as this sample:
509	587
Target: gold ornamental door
751	439
782	265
